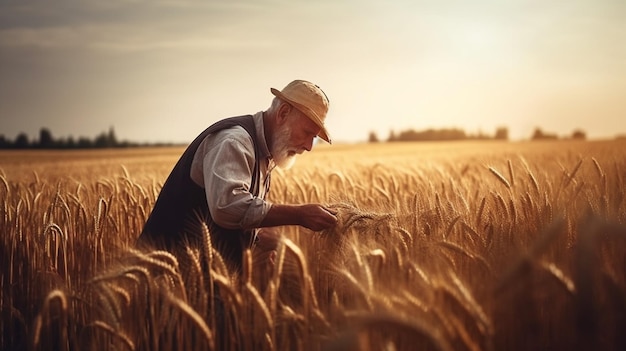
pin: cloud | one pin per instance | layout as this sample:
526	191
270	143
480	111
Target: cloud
124	39
122	26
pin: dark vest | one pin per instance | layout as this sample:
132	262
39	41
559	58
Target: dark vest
182	205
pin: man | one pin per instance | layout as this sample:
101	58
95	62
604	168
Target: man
223	176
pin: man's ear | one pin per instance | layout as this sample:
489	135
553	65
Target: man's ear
283	111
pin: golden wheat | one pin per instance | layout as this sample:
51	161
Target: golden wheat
429	252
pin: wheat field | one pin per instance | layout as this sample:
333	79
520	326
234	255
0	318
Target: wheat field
440	246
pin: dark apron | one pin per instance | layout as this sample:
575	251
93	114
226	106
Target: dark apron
178	213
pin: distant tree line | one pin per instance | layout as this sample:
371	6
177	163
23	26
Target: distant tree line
452	134
539	134
109	140
449	134
47	141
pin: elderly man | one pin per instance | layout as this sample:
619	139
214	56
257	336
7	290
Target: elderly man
223	176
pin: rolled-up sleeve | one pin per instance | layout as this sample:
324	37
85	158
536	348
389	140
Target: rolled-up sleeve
227	172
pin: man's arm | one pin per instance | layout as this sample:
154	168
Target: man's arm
227	170
313	216
227	166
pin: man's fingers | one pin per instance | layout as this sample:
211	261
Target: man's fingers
330	210
332	218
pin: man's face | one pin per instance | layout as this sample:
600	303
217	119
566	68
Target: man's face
292	138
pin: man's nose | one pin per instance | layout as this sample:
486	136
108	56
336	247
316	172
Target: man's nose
309	145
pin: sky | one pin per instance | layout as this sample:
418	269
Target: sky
163	70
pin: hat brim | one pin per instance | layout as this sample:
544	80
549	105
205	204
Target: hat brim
323	134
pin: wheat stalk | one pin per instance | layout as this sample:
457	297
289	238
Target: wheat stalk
511	175
534	182
451	225
500	177
110	305
118	334
481	208
410	327
194	317
570	176
60	296
559	276
260	304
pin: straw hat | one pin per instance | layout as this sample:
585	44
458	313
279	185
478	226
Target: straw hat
309	99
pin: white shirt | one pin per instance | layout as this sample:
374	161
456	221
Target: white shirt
223	166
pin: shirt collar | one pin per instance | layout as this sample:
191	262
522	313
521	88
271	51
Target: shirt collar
260	135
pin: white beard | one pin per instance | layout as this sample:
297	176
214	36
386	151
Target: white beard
284	156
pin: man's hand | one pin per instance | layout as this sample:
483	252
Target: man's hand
317	217
312	216
265	248
267	239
